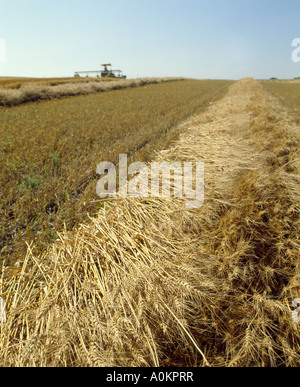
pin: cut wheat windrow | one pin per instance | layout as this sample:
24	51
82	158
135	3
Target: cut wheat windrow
147	282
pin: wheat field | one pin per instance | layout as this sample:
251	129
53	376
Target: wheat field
146	282
49	152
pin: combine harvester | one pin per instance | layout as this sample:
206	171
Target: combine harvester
107	72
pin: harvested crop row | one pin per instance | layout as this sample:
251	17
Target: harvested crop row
31	92
148	283
17	82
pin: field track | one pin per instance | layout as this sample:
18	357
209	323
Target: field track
149	283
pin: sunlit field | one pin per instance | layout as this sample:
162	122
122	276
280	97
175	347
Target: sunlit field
288	92
146	282
49	152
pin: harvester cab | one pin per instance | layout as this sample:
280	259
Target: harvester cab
107	72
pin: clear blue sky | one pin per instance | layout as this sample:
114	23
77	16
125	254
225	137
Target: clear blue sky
227	39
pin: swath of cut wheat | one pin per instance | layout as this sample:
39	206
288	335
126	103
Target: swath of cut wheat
147	283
